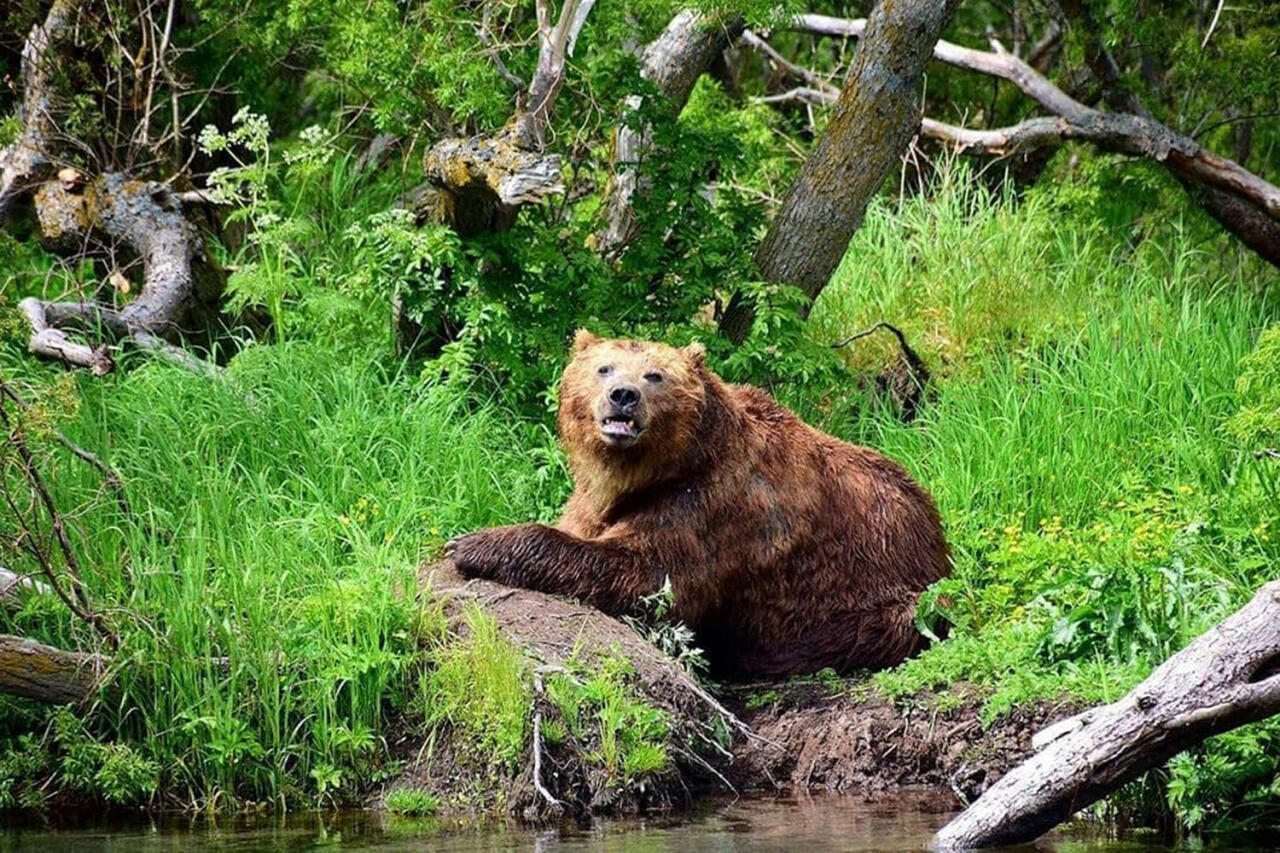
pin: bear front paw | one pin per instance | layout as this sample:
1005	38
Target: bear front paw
477	555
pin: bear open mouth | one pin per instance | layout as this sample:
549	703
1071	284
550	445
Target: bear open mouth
620	429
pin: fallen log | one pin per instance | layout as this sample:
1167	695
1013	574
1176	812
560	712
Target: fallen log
1227	677
33	670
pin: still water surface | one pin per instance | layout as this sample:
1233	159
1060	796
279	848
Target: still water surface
902	823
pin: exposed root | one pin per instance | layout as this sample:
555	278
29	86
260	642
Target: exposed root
48	341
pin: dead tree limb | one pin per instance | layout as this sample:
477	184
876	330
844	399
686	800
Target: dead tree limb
25	162
15	587
47	674
1242	202
673	62
479	183
1227	677
113	216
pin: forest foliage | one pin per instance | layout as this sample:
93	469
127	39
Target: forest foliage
1101	432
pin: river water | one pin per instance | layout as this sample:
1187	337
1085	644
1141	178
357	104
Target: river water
904	822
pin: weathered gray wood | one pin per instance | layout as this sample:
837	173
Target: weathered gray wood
1227	677
25	162
673	62
1242	202
15	587
81	216
47	674
555	46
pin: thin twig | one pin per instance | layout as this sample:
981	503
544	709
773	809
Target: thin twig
555	804
1212	24
110	475
78	600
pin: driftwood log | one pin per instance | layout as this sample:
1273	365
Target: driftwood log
1227	677
33	670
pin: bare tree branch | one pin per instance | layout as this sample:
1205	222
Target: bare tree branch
555	46
815	80
1243	202
76	599
109	475
25	163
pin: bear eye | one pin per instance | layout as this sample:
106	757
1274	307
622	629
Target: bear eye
605	369
653	377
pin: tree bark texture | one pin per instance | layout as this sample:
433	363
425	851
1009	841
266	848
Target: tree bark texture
1227	677
33	670
1242	202
874	120
673	62
181	288
479	184
25	162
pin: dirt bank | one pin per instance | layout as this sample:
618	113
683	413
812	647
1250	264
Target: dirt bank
856	741
829	735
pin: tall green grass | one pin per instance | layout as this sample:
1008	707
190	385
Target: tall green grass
265	592
1101	515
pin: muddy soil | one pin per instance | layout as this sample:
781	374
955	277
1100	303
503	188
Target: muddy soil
836	736
856	741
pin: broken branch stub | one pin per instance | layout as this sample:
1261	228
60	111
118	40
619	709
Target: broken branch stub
1227	677
479	183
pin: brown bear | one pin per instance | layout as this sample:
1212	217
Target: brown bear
787	550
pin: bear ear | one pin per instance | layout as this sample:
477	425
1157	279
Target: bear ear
583	339
696	352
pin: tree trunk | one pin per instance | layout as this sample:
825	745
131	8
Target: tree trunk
33	670
25	162
1227	677
673	62
873	122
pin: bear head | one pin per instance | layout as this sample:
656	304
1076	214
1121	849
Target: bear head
627	401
